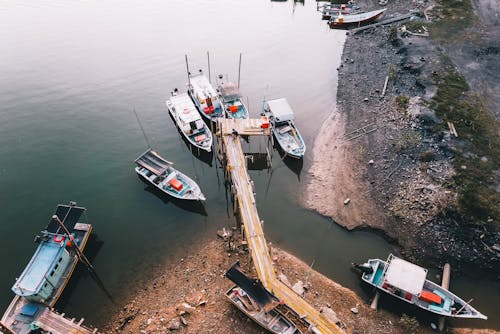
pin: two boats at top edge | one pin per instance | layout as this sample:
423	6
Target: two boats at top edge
226	101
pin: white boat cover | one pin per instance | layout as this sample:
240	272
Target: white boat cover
202	86
185	108
405	276
281	110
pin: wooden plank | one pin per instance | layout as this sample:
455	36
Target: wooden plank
374	25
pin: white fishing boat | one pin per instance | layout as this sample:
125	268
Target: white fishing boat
189	121
284	130
43	280
347	19
205	97
162	175
407	282
250	297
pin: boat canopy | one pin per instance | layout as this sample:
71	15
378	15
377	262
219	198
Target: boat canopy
229	91
253	287
68	214
405	275
281	110
153	162
202	86
185	108
34	275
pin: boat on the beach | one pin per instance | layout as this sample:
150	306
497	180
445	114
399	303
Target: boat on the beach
161	174
231	99
250	297
189	121
407	281
284	130
43	280
205	97
329	10
343	20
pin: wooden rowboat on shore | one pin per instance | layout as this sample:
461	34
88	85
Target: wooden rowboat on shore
344	20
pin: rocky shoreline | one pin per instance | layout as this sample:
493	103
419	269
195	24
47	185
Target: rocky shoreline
389	167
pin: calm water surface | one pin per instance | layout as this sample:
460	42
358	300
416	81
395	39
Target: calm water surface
70	76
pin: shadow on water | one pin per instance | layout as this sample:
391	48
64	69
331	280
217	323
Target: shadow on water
94	245
191	206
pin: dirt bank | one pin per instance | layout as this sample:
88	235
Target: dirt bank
188	296
390	162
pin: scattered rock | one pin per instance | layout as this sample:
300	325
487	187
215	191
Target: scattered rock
282	277
174	324
299	288
355	310
330	314
347	201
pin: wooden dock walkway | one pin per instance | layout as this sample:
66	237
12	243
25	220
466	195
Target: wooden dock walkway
243	190
56	323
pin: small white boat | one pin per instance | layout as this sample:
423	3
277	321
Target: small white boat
189	121
288	137
231	99
160	173
250	297
407	281
347	19
205	97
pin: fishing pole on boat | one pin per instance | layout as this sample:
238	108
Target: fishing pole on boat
142	129
82	256
209	76
239	72
187	69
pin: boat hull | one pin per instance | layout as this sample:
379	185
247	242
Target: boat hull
449	306
356	18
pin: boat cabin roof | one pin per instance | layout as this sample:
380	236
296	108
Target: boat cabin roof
185	108
153	162
253	287
281	110
202	86
68	214
405	275
33	276
229	91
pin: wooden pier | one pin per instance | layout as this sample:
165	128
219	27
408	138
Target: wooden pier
229	146
56	323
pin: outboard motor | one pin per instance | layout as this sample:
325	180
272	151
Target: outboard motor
365	268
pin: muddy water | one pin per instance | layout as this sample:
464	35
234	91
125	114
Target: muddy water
71	75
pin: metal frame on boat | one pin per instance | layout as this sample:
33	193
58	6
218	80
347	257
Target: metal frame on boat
231	99
189	122
162	175
284	130
408	282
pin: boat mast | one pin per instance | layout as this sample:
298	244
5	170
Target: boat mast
239	72
142	129
187	69
209	77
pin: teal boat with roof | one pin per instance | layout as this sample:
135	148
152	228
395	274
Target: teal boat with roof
161	174
231	99
407	281
43	280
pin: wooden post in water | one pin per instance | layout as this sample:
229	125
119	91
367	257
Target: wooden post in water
209	77
187	69
374	303
445	283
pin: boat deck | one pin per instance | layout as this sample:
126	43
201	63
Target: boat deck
236	167
58	324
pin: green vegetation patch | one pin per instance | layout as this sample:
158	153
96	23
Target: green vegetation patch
477	156
451	17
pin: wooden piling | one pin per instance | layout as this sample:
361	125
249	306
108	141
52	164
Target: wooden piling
445	283
374	303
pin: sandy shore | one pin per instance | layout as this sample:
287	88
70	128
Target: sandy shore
188	296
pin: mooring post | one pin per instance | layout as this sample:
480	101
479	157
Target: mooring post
445	283
374	304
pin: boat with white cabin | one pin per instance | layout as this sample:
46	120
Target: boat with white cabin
161	174
407	282
347	19
205	97
189	121
43	280
284	130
